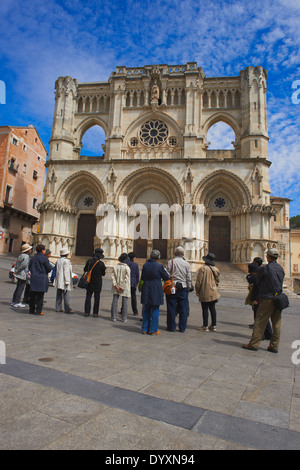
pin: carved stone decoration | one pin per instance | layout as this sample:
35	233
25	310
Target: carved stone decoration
154	93
65	85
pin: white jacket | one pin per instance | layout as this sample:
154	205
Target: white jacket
63	277
121	277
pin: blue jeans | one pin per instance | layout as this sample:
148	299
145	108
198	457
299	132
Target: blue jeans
178	302
150	318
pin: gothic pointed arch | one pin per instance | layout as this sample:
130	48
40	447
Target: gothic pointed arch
222	116
150	178
85	125
222	182
76	185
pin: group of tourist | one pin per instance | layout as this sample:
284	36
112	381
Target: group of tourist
126	279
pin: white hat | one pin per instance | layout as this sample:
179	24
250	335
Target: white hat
64	252
273	253
26	247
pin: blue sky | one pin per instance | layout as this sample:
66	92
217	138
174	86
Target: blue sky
42	40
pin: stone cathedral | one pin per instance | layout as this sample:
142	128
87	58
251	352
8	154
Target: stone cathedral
156	119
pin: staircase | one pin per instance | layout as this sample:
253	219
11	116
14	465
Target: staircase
232	278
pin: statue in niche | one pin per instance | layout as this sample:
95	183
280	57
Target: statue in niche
155	93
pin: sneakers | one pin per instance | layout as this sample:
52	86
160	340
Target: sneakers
203	328
18	305
154	333
207	328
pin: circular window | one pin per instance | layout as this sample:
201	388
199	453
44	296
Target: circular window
153	133
220	202
88	201
134	142
172	141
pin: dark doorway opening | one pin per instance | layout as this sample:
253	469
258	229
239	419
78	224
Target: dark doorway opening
219	238
86	230
160	243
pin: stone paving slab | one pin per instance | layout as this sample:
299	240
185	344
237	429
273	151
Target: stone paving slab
87	383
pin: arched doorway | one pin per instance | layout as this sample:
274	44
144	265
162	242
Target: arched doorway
80	194
156	189
224	195
86	224
156	225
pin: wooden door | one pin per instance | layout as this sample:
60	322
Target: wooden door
219	238
86	230
140	248
160	243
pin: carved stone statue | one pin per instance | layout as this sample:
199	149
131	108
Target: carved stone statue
155	93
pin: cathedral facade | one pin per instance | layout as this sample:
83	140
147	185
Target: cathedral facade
156	154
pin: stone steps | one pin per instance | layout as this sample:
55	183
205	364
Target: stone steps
232	278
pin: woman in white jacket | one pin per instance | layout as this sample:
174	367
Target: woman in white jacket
120	287
63	282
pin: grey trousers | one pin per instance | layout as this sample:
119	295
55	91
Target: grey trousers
60	296
114	307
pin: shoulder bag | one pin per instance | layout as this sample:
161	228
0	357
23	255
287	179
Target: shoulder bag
281	300
86	278
169	286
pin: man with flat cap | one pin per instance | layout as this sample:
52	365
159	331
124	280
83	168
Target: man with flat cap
269	280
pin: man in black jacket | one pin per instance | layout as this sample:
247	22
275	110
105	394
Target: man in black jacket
95	284
269	280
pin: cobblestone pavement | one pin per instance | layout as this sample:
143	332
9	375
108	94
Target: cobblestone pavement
75	382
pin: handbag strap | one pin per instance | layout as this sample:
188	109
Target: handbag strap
213	274
93	266
172	271
89	272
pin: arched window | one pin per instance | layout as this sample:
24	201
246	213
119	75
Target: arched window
92	142
220	136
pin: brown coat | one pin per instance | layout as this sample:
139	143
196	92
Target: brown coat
206	285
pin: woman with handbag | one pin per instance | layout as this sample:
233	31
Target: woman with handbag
207	292
152	293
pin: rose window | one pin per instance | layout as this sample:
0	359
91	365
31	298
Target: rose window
220	202
153	133
88	201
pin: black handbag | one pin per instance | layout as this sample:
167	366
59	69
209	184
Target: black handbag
281	300
82	283
86	277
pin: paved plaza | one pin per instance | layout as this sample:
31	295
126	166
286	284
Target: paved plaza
76	382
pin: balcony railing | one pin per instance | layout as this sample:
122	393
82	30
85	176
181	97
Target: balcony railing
13	168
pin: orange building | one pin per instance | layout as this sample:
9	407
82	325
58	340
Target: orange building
22	178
